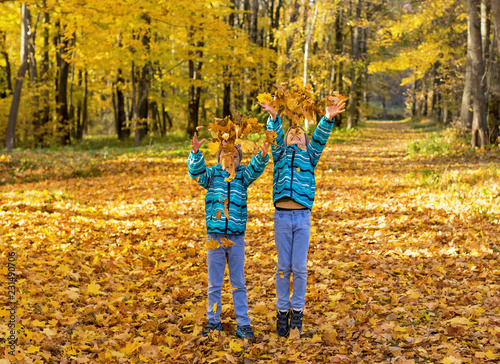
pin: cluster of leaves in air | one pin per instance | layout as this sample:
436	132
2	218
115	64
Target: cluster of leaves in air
298	103
230	131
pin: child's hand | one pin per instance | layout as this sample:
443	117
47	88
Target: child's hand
334	110
268	108
195	144
265	149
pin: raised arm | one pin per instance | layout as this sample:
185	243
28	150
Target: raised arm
256	166
196	164
323	130
274	123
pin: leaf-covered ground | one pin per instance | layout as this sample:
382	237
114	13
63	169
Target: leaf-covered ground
111	261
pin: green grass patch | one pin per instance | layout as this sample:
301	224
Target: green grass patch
444	142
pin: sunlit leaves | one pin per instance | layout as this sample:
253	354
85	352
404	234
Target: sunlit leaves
113	268
299	103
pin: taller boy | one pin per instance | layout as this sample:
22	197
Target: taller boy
294	187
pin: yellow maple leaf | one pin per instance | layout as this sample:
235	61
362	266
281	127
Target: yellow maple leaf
234	346
214	309
212	244
218	214
294	334
316	338
93	288
270	136
213	147
265	97
226	242
33	349
490	355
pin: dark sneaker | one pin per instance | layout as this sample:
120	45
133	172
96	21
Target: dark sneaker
296	320
245	332
282	327
211	327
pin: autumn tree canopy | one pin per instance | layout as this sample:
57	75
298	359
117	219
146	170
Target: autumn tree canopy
74	68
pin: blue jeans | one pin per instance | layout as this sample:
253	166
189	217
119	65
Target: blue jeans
292	232
216	261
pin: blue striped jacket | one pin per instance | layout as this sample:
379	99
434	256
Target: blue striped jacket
293	174
218	190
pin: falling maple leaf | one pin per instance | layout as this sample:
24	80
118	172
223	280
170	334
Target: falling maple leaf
212	244
271	136
226	212
226	242
265	97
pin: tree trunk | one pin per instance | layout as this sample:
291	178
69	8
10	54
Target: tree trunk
485	28
63	127
495	10
194	67
227	74
143	89
41	134
120	108
169	119
384	108
352	122
308	40
7	69
339	50
414	99
479	125
466	109
253	35
274	21
14	108
85	104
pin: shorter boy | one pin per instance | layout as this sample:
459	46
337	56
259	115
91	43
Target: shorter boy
231	197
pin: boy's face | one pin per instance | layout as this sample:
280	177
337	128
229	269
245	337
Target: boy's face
296	136
235	156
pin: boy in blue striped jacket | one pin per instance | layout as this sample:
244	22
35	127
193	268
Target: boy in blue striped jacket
294	187
233	196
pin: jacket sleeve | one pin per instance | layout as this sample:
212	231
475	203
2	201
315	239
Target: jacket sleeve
198	171
255	169
319	139
275	124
